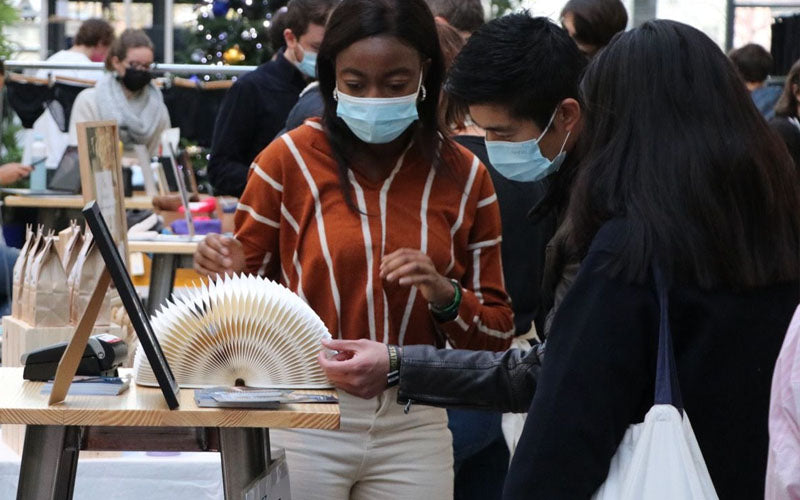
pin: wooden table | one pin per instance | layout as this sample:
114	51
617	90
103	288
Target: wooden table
55	434
70	201
167	257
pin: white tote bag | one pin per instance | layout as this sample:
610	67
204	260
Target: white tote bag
659	459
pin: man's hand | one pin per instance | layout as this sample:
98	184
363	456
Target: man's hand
219	255
12	172
360	367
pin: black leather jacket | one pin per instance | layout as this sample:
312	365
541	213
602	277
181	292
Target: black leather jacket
501	381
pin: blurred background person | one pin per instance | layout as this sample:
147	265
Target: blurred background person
786	121
127	94
255	108
593	23
9	174
91	44
464	15
755	64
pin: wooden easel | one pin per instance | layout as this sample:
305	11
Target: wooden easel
71	358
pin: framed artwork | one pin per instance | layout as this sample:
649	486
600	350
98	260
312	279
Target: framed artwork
101	176
133	306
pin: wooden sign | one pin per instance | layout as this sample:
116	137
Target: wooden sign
101	175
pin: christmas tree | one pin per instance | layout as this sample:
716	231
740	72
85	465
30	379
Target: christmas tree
230	32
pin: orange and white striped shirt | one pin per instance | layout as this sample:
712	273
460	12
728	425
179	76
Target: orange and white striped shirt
296	228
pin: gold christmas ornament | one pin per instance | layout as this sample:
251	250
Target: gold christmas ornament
233	55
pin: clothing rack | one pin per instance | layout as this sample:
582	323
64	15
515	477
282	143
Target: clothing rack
185	69
162	82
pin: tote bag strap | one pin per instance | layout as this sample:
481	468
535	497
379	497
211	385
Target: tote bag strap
668	389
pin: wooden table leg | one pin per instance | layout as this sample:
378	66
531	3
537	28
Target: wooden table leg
49	462
245	456
162	278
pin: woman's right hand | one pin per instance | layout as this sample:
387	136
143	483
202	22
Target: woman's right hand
219	255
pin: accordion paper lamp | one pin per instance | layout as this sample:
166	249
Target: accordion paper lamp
238	330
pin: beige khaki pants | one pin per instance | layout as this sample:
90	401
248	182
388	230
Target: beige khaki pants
379	453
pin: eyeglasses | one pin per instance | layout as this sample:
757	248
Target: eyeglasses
140	66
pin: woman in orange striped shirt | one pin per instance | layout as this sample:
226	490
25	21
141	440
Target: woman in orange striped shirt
389	230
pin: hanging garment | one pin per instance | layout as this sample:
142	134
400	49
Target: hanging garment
194	111
785	45
60	106
28	100
660	459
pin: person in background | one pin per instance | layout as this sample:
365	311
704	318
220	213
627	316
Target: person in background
718	214
91	44
786	121
464	15
389	230
593	23
127	94
9	174
254	110
783	458
276	29
754	64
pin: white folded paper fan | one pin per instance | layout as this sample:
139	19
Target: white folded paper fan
240	329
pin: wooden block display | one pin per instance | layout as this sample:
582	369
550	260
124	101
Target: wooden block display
20	337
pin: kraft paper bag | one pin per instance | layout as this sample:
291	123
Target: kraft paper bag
63	237
19	274
86	272
71	249
74	277
49	296
34	249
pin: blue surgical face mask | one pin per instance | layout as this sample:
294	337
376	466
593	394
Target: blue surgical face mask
309	64
378	120
524	161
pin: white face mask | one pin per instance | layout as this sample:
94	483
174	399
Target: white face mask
378	120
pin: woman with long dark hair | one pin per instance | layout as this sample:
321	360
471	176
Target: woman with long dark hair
682	174
389	230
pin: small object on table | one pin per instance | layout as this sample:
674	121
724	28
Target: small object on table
94	386
103	355
206	207
201	226
169	202
255	398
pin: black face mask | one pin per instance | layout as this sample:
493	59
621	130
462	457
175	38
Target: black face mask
135	79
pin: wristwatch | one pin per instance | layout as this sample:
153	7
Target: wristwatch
395	358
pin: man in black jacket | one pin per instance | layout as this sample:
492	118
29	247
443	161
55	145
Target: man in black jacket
255	108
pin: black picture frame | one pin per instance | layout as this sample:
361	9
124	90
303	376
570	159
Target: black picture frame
136	312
